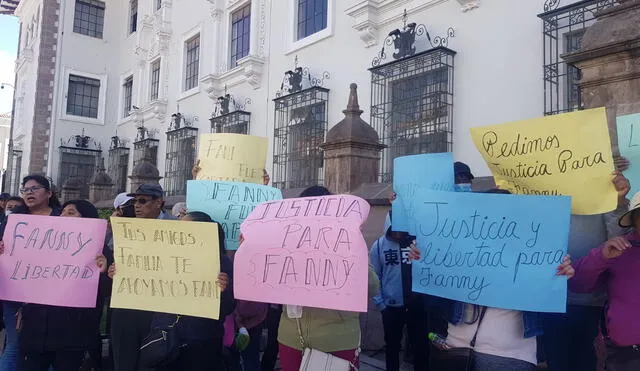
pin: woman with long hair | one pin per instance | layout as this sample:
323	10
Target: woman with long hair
39	199
84	209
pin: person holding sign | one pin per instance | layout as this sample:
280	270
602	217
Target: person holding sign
58	337
84	209
201	338
330	331
569	337
502	339
39	199
616	264
129	327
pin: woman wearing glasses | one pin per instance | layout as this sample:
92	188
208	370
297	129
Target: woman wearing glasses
39	199
53	336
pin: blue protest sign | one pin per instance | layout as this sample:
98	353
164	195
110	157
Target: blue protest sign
228	203
432	171
629	144
492	249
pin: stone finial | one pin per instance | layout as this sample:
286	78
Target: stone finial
101	177
353	107
352	128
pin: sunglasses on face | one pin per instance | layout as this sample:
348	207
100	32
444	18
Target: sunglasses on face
33	189
142	201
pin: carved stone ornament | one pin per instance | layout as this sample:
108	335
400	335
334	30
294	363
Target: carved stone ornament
468	5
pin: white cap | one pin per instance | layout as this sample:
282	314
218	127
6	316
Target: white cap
121	199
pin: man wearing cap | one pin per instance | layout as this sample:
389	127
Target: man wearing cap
129	327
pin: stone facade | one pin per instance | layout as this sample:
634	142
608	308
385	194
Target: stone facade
43	107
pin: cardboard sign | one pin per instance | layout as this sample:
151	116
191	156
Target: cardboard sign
51	260
410	173
228	203
629	144
495	250
305	251
166	266
232	157
567	154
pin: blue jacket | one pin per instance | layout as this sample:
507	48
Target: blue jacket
387	259
532	320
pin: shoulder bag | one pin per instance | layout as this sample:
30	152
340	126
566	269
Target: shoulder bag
161	346
316	360
457	359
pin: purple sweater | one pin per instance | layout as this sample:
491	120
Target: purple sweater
620	276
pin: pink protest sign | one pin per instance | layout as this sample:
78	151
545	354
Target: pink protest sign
51	260
305	251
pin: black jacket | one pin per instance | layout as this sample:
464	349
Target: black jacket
196	328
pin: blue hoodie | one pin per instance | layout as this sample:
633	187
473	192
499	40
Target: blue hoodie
390	262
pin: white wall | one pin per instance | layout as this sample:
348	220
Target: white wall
498	66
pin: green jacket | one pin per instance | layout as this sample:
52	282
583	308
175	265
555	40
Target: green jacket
325	329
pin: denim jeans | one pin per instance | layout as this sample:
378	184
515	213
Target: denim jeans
9	359
251	355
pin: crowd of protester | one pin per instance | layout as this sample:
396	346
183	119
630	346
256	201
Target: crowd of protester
602	269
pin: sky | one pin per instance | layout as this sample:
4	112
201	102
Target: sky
8	52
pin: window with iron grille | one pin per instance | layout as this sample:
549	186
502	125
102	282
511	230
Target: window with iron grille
312	17
146	150
118	167
240	34
412	106
236	122
80	164
83	96
127	90
191	63
300	128
181	155
155	80
88	18
133	16
562	30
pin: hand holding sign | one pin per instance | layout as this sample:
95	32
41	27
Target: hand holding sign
231	157
553	155
51	260
305	251
489	249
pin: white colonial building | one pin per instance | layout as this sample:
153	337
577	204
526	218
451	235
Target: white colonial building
133	81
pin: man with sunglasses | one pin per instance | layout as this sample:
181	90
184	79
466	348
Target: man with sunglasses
130	327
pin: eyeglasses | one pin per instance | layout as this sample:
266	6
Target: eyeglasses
33	189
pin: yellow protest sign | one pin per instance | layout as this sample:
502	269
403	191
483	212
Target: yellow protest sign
166	266
567	154
232	157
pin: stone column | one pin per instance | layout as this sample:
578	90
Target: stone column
101	186
144	173
351	150
610	63
71	190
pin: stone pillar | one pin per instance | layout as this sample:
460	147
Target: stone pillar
144	173
610	63
71	190
101	186
351	150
